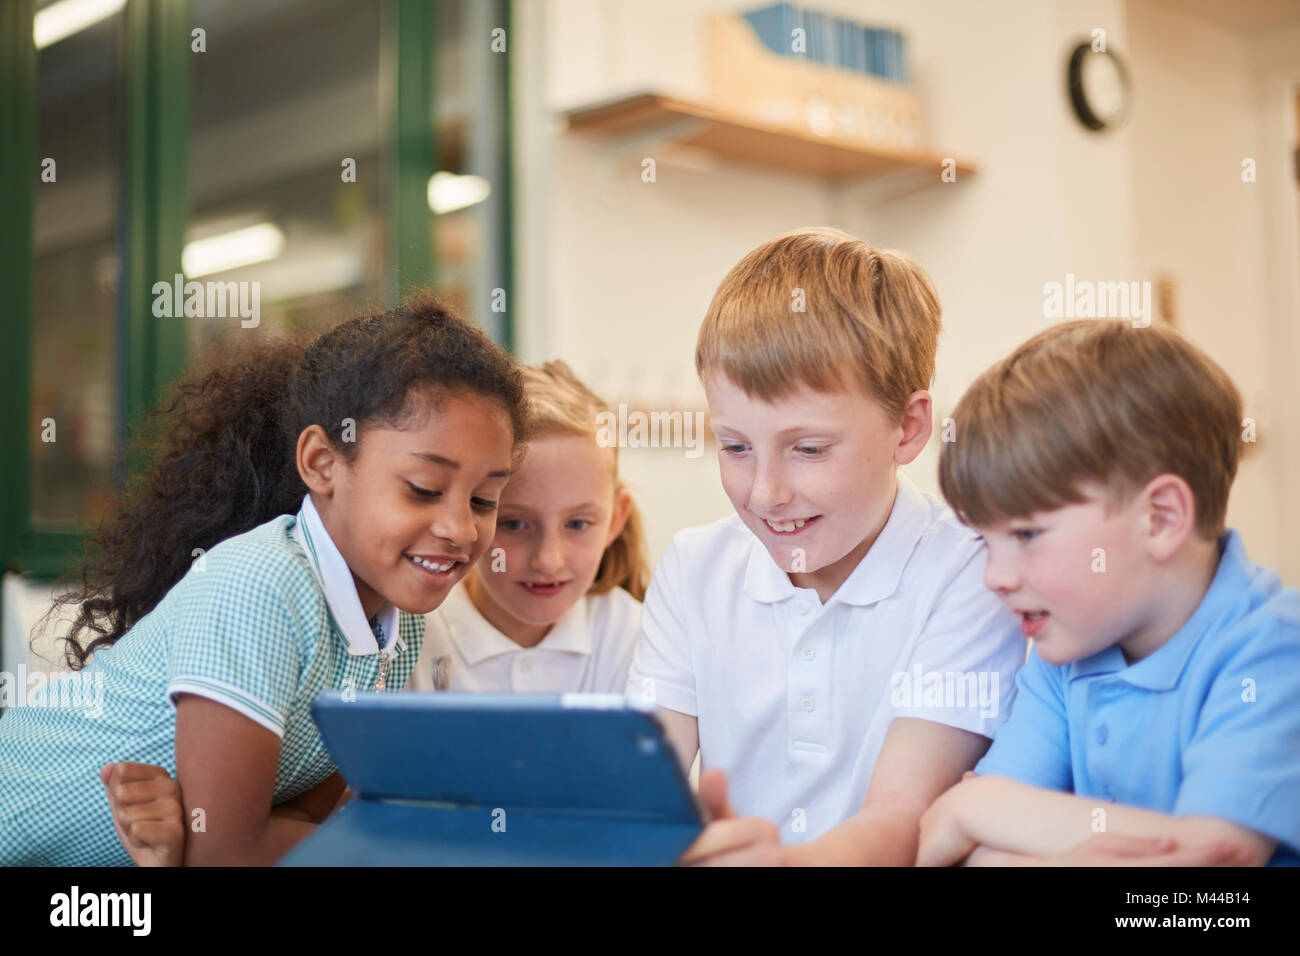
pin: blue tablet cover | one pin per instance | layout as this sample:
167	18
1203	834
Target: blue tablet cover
500	779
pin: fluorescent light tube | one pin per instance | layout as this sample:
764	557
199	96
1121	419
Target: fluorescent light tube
229	250
449	192
62	19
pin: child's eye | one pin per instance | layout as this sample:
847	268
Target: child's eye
482	504
733	448
510	524
1024	535
580	524
812	451
422	492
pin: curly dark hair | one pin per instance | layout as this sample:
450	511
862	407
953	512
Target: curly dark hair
223	448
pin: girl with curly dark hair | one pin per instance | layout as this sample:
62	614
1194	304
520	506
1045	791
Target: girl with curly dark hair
306	505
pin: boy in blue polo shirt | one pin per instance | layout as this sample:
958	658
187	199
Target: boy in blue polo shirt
1162	694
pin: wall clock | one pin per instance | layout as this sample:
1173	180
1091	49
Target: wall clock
1099	90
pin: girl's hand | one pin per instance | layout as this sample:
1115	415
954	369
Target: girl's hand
147	812
728	839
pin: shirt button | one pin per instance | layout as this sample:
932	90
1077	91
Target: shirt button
1105	792
806	704
807	653
801	608
1102	735
525	665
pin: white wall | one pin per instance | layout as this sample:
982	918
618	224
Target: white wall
615	274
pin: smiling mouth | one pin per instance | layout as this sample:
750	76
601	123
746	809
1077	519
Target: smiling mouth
436	569
793	526
542	588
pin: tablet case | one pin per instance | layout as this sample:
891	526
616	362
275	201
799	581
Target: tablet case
499	780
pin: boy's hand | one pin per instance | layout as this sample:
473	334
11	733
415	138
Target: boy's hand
147	812
728	839
944	840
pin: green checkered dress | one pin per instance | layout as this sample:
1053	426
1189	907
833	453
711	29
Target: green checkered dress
249	627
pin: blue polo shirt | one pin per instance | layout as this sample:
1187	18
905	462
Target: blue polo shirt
1208	725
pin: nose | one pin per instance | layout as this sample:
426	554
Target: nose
769	491
548	558
1000	573
454	522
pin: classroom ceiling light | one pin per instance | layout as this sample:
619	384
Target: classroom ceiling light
449	191
62	19
229	250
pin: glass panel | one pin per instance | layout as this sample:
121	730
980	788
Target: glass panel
74	393
467	194
286	92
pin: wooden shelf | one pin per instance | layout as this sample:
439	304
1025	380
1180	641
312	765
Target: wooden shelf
744	140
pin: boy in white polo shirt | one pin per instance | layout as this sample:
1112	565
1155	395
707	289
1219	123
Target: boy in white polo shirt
831	647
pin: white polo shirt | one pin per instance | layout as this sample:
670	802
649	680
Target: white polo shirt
793	697
588	650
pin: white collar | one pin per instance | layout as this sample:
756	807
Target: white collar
340	587
478	639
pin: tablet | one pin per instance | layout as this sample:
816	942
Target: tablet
500	779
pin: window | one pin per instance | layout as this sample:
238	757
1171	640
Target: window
160	147
74	275
288	161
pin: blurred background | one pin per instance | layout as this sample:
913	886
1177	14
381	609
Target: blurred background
577	176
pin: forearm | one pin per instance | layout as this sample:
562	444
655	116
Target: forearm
883	835
1014	817
285	828
317	804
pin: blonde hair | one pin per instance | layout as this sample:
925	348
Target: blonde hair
560	404
1093	401
868	316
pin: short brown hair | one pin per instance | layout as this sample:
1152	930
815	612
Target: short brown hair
869	317
560	404
1093	401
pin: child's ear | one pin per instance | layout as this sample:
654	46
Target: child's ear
915	428
1170	509
317	460
622	508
